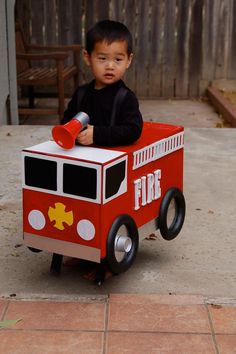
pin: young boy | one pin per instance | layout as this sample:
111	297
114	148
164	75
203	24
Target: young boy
109	54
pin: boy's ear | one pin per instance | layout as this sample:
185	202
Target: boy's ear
86	57
130	60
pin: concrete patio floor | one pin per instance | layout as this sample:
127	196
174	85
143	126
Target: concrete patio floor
179	296
201	260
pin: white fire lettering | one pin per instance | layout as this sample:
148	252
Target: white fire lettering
147	188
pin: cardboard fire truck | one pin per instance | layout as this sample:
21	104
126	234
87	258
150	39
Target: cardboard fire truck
97	203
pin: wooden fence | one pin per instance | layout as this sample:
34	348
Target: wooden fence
180	46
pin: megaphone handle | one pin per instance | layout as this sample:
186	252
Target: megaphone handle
83	118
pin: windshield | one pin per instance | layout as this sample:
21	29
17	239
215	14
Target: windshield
80	181
61	178
41	173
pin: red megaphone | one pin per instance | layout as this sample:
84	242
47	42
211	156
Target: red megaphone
65	135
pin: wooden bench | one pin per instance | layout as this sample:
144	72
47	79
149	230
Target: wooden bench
50	70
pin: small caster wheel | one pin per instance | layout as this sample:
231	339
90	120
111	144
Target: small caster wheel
56	264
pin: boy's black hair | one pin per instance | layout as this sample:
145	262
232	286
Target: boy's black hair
108	31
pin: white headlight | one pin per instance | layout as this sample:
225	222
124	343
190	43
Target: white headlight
86	229
36	219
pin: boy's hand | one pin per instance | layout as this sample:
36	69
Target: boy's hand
86	136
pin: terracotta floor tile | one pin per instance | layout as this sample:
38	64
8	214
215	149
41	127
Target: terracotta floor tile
226	343
3	304
149	316
158	298
57	315
50	342
223	319
158	343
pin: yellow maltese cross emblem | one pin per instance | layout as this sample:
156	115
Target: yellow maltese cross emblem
60	216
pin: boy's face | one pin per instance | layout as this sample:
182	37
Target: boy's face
108	62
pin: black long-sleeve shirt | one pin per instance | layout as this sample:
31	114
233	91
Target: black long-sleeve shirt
98	105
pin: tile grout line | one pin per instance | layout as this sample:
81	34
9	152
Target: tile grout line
212	329
106	326
5	310
111	331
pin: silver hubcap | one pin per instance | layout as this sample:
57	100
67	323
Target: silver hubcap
123	243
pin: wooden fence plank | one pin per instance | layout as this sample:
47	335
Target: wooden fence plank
64	21
70	17
77	18
23	15
232	52
210	32
90	14
168	58
155	53
195	47
77	31
37	22
142	48
129	14
182	48
37	27
102	10
223	39
117	10
90	19
51	36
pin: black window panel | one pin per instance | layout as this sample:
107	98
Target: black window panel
40	173
114	177
80	181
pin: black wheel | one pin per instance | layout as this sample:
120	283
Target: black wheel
35	250
172	214
122	244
